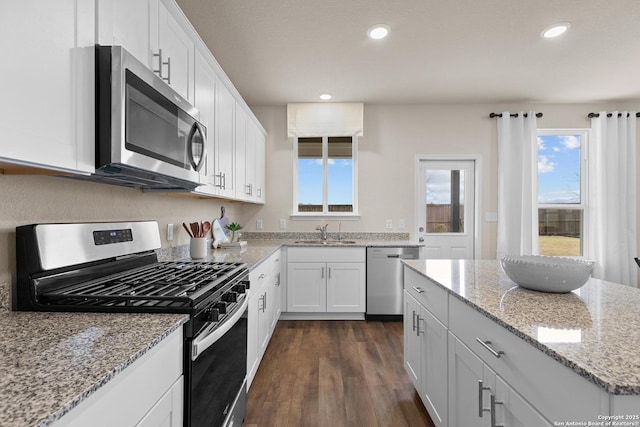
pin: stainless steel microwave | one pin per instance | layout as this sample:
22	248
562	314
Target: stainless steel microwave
147	135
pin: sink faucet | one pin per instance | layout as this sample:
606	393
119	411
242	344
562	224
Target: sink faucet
323	231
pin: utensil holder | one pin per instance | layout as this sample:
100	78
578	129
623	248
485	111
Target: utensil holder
198	247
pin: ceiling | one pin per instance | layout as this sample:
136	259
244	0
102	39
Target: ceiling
439	51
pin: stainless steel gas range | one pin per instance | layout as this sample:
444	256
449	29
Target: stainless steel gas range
113	267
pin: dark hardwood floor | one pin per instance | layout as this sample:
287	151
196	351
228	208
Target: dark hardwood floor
334	373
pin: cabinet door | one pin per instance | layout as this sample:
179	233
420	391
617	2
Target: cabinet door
47	85
253	358
434	360
250	160
225	141
127	23
466	371
168	412
306	287
513	411
276	299
260	168
242	189
264	317
346	287
204	100
412	342
177	53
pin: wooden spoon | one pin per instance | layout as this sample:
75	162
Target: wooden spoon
195	229
187	229
206	226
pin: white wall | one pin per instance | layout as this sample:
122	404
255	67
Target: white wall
393	136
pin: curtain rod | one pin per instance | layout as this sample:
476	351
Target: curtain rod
592	115
493	115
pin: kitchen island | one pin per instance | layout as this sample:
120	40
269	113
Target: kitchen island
541	344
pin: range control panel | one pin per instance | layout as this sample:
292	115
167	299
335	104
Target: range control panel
107	237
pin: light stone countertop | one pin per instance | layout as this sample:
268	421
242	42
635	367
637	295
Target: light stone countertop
50	362
600	321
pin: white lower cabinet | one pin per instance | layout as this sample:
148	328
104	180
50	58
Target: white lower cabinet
479	397
326	280
425	356
263	312
148	393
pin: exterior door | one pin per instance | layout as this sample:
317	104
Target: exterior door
445	215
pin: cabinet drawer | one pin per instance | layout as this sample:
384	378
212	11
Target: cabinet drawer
331	254
262	271
430	295
553	389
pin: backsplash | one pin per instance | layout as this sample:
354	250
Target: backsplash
260	235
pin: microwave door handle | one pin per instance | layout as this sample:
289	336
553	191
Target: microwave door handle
196	128
201	343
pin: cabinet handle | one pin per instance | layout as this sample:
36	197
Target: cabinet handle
322	273
224	181
265	303
493	403
418	325
487	345
159	70
418	290
249	189
168	64
414	320
329	271
219	176
481	389
259	191
278	279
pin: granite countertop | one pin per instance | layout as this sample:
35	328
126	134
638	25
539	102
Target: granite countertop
258	250
50	362
594	330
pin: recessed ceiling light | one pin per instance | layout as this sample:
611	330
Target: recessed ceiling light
378	31
555	30
325	96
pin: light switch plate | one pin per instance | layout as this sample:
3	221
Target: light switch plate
283	224
389	224
491	216
259	224
401	223
169	232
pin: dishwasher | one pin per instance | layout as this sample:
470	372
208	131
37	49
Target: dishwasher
384	281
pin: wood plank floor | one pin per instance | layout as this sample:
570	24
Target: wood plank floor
334	373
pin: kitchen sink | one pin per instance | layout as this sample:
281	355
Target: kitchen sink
324	242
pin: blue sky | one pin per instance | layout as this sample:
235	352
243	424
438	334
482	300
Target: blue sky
558	169
439	187
340	177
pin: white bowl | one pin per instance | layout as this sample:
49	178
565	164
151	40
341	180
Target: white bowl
545	273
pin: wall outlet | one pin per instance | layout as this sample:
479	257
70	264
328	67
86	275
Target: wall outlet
169	232
401	224
259	224
491	216
389	224
283	224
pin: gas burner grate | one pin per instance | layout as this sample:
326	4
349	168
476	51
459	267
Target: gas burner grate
162	285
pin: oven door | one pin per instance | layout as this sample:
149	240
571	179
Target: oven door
216	389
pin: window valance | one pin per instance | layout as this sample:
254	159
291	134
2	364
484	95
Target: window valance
325	119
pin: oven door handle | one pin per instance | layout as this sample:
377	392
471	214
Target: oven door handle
201	343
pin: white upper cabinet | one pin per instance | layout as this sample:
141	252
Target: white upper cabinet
174	49
47	85
225	180
205	101
242	186
157	34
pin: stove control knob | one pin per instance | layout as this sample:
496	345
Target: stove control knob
241	289
230	296
221	307
211	315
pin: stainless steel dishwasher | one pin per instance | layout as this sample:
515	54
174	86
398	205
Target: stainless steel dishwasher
384	281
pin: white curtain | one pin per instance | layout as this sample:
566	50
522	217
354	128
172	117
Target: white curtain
325	119
611	218
517	184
